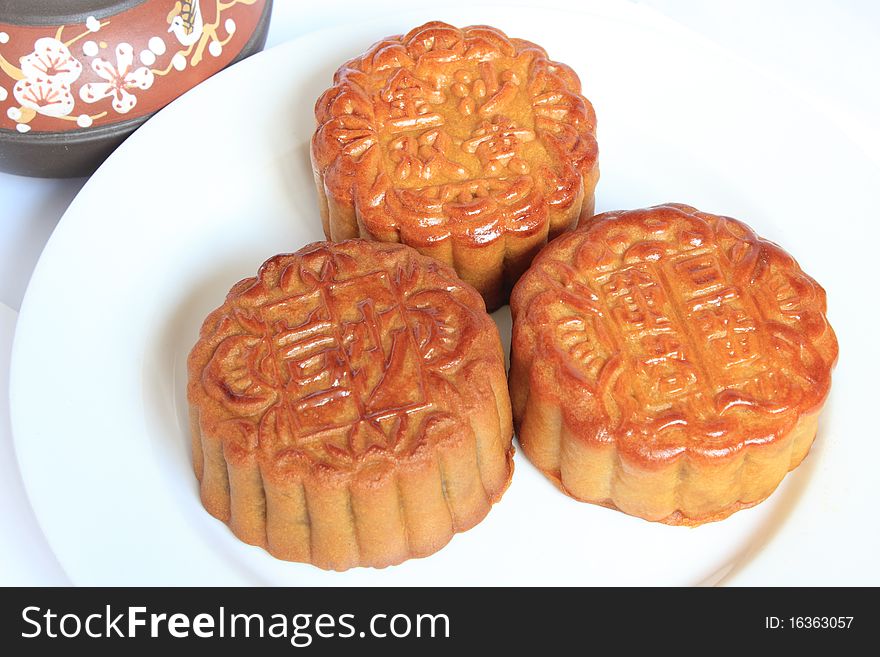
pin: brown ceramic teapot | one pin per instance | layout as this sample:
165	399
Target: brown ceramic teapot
78	76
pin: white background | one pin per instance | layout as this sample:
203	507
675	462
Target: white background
825	51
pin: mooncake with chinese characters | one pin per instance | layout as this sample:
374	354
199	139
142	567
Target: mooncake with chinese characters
668	363
472	147
349	406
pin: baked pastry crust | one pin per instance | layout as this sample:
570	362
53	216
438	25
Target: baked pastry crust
668	363
467	145
349	406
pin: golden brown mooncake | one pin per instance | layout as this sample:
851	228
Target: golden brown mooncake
668	363
471	147
349	406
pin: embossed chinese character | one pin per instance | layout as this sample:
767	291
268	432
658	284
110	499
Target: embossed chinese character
424	157
498	145
408	103
635	299
730	333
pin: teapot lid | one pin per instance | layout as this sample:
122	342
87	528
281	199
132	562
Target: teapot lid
57	12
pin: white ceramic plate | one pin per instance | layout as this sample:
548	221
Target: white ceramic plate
220	180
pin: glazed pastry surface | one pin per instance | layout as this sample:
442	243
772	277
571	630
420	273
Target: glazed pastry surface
669	363
349	406
470	146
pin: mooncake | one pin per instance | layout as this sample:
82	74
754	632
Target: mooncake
349	406
471	147
668	363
